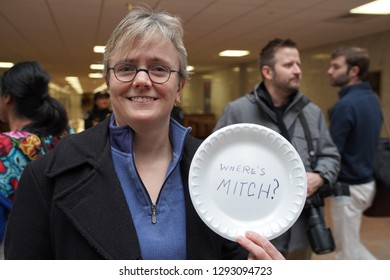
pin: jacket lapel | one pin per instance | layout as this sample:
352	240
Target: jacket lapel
201	242
94	202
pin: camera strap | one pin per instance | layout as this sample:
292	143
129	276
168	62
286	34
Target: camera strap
312	153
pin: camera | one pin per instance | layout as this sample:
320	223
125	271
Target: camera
320	236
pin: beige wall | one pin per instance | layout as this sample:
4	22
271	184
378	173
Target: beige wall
230	83
192	98
72	103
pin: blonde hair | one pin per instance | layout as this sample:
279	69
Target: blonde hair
143	23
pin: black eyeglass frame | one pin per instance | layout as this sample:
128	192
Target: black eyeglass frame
169	71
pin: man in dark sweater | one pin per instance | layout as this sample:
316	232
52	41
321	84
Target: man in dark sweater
355	124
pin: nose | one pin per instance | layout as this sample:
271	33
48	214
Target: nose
297	69
141	78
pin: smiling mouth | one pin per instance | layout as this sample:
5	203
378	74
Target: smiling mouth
142	99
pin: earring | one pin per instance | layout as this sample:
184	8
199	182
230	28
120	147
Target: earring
177	102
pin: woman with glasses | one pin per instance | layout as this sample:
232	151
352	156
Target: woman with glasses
120	189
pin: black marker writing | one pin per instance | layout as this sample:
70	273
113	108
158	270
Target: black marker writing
246	169
249	189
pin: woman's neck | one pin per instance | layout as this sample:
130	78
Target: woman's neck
152	144
17	124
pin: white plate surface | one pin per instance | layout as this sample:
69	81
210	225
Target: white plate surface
247	177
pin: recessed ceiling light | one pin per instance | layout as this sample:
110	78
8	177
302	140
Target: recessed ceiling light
96	66
6	64
190	68
75	83
95	75
234	53
379	7
99	49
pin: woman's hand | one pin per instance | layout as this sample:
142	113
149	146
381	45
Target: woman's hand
259	248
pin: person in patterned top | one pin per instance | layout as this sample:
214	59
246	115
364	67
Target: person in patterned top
36	121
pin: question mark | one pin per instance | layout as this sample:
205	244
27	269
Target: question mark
277	186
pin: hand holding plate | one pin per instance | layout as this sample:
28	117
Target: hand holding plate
259	247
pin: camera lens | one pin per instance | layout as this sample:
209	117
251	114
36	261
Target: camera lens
320	237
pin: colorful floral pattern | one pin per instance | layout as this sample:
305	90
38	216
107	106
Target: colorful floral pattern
17	149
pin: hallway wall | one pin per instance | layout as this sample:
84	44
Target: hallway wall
72	103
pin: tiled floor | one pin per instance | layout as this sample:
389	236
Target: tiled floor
375	234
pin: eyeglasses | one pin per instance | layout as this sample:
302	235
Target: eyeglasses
126	72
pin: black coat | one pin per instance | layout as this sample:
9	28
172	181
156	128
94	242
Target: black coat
70	205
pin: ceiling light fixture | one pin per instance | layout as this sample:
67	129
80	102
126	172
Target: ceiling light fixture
6	64
379	7
233	53
75	83
99	49
96	66
57	88
95	75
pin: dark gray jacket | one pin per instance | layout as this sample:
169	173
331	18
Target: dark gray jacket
252	108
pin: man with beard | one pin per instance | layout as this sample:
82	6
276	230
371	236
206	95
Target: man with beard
355	126
277	104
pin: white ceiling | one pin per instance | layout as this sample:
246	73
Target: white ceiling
60	34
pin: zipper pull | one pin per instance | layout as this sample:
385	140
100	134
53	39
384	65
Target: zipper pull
154	215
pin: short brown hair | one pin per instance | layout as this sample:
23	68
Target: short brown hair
267	54
354	56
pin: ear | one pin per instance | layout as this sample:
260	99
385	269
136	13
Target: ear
354	71
179	92
181	86
267	72
7	99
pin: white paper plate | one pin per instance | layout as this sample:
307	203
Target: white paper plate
247	177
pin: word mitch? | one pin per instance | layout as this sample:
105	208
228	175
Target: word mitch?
248	189
257	187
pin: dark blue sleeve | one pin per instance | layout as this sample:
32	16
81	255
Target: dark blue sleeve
341	123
